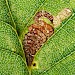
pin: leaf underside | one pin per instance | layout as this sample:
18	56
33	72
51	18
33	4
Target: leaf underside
9	38
57	55
11	63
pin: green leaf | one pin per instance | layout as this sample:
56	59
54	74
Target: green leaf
72	3
11	64
19	11
9	39
5	14
57	55
22	12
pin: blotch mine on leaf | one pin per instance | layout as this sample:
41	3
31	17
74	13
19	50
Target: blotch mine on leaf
38	33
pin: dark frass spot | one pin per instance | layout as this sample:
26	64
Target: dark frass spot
34	64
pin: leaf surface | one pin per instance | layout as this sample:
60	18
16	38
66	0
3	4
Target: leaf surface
57	55
5	14
9	39
11	64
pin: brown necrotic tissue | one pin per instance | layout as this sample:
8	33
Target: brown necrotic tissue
38	34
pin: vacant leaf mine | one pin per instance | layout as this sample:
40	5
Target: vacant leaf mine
39	32
37	35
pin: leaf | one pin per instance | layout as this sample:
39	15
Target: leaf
57	55
21	12
5	15
9	39
11	64
72	3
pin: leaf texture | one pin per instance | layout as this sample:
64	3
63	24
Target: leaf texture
9	39
11	64
60	48
57	55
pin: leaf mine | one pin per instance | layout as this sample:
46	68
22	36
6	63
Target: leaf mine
37	35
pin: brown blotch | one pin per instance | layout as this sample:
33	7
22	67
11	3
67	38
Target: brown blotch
37	35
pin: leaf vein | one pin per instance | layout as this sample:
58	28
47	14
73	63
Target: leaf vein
14	25
57	62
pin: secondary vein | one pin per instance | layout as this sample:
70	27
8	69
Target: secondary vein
64	56
58	62
14	25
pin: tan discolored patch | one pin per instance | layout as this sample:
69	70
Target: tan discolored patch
65	13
